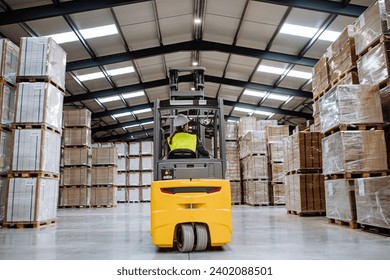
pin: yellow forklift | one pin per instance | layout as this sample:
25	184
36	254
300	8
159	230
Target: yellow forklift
190	199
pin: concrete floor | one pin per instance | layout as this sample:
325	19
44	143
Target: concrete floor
122	233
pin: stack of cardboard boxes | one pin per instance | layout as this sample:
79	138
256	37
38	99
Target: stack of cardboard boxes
233	173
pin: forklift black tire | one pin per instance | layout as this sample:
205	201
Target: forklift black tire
201	236
185	237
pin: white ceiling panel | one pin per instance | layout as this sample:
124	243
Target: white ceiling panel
93	18
142	35
240	67
229	92
173	8
255	35
214	62
220	29
152	72
211	90
158	93
20	4
178	29
13	32
135	14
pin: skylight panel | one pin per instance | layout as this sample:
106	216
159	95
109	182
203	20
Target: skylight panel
122	115
300	74
264	113
130	126
255	93
109	99
280	97
113	72
133	94
146	123
298	30
329	35
142	111
245	110
271	69
87	33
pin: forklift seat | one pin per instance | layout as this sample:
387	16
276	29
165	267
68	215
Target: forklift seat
181	153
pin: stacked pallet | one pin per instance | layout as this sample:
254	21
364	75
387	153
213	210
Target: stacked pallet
305	193
75	189
338	66
121	180
233	173
8	68
354	146
140	170
33	180
103	175
254	163
275	135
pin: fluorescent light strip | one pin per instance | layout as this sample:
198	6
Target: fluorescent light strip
113	72
255	93
122	115
264	113
329	35
298	30
142	111
245	110
87	33
125	96
280	71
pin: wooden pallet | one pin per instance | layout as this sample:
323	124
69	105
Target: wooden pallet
32	174
74	206
350	224
305	171
6	82
306	213
355	175
322	93
29	224
376	229
341	76
380	39
39	79
103	206
353	127
258	204
35	126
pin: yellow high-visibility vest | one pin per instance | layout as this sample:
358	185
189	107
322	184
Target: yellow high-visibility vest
183	140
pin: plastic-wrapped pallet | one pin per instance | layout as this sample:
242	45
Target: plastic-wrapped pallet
122	163
39	103
278	194
5	151
147	148
134	149
278	173
236	192
3	196
77	118
354	151
32	200
276	132
372	201
122	149
146	163
146	178
276	151
231	131
7	104
36	150
371	24
134	194
340	200
245	125
134	179
120	179
350	104
253	143
341	53
8	60
255	167
320	81
261	125
145	194
256	193
42	57
135	163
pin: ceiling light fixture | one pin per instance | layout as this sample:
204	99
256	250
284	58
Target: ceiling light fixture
112	72
298	30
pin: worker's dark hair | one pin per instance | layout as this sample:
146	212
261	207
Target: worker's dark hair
178	129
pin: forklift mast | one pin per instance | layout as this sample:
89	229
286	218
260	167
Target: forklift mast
206	121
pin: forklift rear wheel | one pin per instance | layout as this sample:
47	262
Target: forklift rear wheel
185	238
201	237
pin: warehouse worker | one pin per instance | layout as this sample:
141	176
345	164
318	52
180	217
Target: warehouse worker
182	139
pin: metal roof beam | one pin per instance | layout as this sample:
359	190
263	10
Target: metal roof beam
189	46
59	9
165	82
324	6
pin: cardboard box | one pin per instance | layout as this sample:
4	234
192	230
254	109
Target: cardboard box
275	149
121	179
255	167
39	103
147	162
147	148
278	194
305	193
122	163
320	74
231	131
276	132
103	196
236	192
146	178
77	156
104	156
135	163
80	136
77	118
278	173
354	151
5	151
245	125
134	148
261	125
253	143
77	176
75	196
3	196
103	175
134	179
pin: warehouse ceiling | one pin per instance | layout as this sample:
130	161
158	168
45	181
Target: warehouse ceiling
252	60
